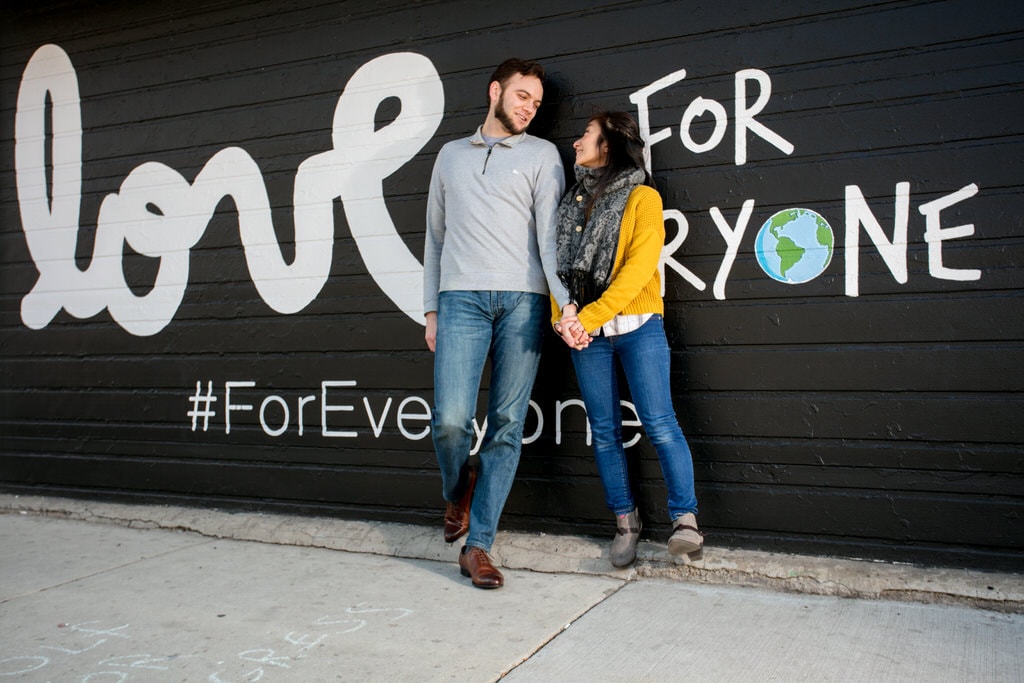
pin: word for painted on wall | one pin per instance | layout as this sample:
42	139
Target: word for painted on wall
160	214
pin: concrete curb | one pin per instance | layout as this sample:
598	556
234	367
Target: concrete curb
1002	592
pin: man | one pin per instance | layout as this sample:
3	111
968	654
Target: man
488	265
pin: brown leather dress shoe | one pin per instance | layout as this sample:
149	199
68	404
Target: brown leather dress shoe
456	515
475	564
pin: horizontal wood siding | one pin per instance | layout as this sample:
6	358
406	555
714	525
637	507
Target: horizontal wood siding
884	422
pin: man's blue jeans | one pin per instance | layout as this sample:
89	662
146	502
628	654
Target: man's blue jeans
645	356
508	328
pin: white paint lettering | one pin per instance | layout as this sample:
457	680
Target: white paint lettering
159	214
530	438
698	108
230	407
733	238
479	431
745	115
669	250
51	229
303	400
326	408
263	418
935	235
643	117
560	407
376	426
894	252
631	422
423	415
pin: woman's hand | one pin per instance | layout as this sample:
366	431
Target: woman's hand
571	330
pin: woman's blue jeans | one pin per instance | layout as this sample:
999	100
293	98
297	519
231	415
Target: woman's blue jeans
645	357
472	326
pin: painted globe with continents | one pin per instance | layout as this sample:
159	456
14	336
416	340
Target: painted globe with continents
794	246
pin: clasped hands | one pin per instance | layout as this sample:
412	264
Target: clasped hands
571	330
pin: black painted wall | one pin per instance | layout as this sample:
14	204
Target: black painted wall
872	411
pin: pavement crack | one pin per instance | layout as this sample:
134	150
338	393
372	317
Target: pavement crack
612	591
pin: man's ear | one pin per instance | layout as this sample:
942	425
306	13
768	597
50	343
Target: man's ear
494	91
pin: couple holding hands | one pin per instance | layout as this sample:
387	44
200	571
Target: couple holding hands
505	251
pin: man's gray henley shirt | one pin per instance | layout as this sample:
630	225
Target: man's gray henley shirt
491	218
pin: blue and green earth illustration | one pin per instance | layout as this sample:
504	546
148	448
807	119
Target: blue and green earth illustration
794	246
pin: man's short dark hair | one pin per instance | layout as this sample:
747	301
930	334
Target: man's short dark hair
513	66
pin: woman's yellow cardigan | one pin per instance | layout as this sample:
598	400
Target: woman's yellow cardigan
635	285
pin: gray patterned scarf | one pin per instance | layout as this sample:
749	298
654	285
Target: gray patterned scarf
585	257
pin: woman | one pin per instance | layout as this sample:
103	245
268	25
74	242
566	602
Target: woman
610	235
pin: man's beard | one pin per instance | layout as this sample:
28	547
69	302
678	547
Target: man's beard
505	119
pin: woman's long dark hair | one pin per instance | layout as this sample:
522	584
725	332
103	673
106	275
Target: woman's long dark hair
625	150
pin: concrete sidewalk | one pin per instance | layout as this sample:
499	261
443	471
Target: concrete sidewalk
173	594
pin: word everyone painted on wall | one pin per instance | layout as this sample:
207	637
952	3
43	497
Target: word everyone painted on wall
160	214
327	408
858	213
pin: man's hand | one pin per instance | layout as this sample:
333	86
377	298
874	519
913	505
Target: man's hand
431	332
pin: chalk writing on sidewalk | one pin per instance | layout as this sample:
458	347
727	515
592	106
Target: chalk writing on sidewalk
96	651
